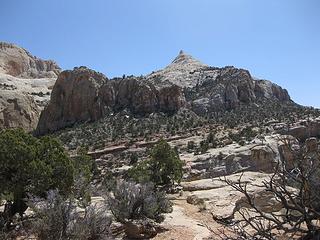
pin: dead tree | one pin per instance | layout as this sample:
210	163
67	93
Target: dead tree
296	187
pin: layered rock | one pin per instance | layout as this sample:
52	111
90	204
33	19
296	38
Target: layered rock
302	129
25	86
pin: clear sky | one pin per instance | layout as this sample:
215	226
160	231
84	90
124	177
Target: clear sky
277	40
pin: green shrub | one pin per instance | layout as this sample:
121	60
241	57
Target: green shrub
141	172
131	201
163	168
85	167
32	166
204	146
211	139
56	218
190	145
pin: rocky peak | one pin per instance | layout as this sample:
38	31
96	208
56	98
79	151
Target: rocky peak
84	95
186	59
178	72
18	62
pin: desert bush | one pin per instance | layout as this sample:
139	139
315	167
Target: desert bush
134	158
31	166
190	145
93	225
204	146
58	218
53	216
163	168
140	172
108	182
131	201
84	170
211	139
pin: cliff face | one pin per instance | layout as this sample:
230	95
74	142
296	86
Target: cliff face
84	95
25	86
18	62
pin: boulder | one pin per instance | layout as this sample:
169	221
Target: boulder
312	145
18	111
140	229
194	200
263	158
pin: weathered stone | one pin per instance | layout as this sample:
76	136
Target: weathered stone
140	229
194	200
18	111
311	144
74	99
25	86
303	129
83	95
263	158
17	62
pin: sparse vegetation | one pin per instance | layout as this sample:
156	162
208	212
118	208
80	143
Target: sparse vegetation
31	166
163	168
295	188
58	218
131	201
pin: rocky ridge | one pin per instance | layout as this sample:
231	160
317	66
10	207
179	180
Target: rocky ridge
18	62
83	95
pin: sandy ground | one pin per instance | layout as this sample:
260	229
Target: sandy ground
187	222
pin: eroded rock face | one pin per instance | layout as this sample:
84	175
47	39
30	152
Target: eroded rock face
305	129
267	89
186	82
18	62
210	89
25	86
18	111
263	158
84	95
302	129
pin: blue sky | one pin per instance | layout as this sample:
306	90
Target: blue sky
274	39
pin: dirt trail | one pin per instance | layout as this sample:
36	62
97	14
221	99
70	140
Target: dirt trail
187	223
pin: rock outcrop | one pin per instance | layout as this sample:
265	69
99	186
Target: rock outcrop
83	95
18	62
210	88
18	110
25	86
302	129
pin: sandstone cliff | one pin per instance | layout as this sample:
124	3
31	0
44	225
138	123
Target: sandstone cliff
84	95
18	62
25	86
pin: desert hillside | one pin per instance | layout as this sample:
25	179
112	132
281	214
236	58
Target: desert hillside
186	152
